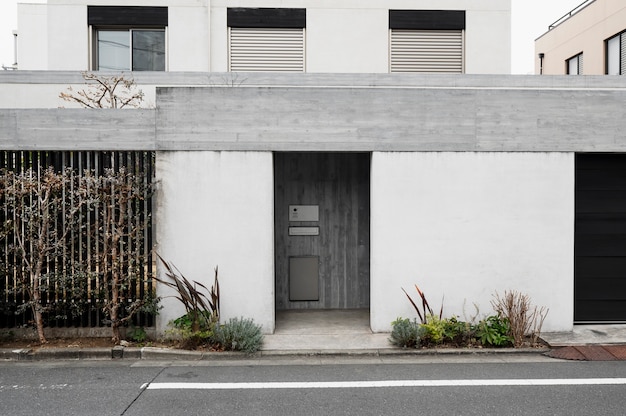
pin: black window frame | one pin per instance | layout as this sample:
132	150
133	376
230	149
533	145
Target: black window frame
619	35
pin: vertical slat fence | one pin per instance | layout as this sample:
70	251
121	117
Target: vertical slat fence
77	262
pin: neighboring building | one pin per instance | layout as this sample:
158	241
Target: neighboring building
589	40
342	36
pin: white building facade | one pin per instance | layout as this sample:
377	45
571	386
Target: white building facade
464	183
346	36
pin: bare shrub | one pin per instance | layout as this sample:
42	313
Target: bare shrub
524	319
106	91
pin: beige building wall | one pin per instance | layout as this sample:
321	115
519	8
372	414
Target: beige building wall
585	31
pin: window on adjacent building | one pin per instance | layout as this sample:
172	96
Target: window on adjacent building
128	38
575	65
426	41
266	39
616	55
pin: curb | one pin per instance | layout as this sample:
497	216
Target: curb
166	354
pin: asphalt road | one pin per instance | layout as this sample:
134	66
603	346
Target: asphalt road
309	387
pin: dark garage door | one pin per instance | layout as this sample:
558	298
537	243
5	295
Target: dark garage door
600	239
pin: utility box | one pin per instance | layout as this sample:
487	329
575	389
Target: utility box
304	278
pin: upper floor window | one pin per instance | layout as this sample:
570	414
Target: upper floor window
574	65
266	39
427	41
616	55
128	38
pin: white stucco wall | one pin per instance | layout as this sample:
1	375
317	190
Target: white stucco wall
68	38
347	41
188	38
32	22
487	41
217	209
464	225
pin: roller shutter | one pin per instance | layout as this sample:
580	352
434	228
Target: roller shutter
266	49
426	51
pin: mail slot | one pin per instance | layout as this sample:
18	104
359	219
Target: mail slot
304	278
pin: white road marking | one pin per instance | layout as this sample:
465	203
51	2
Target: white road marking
388	383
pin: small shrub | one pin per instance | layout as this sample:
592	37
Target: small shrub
239	334
182	329
6	336
434	330
494	331
458	332
447	331
136	334
406	333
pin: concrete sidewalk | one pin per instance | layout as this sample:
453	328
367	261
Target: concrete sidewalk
587	335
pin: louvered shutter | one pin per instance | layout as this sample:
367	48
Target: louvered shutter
623	54
266	49
426	51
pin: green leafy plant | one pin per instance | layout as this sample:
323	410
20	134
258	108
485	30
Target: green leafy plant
201	309
494	331
7	336
434	330
239	334
182	329
457	332
425	311
406	333
136	334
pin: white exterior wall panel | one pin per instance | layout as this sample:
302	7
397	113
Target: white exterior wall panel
217	209
188	39
347	40
68	38
32	51
464	225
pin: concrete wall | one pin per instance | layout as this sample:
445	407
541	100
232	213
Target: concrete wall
217	209
464	225
584	32
335	113
346	36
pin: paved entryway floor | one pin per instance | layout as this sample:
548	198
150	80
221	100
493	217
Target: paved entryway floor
325	330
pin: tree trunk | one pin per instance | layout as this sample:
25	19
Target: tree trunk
36	308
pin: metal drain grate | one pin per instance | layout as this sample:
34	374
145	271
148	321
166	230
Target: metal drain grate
590	353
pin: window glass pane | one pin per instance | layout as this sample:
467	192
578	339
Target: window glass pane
113	50
613	56
572	66
148	50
